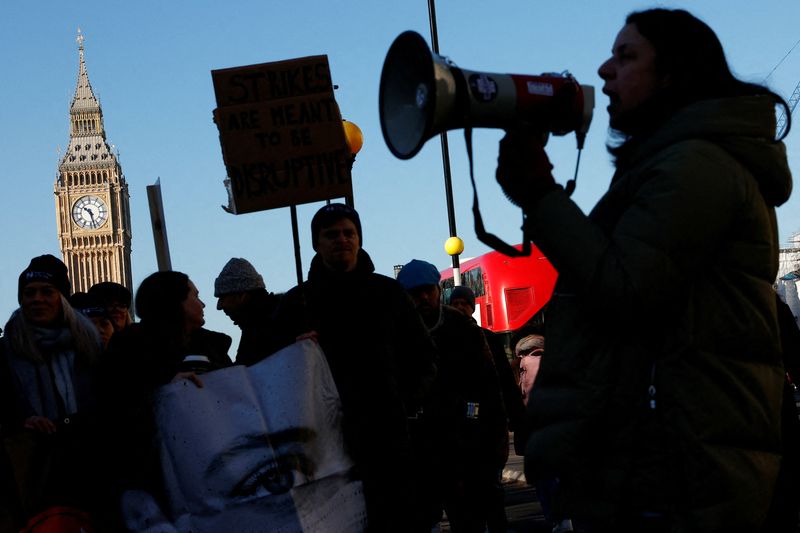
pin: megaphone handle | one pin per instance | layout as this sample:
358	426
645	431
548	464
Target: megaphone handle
489	239
570	187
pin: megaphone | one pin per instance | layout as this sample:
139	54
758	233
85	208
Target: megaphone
423	94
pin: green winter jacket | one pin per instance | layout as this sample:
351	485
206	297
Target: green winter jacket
661	386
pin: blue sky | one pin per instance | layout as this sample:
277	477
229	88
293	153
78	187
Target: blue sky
150	61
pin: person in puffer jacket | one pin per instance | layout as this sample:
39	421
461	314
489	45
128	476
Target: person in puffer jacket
658	405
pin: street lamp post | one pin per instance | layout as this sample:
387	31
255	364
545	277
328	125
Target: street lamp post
448	182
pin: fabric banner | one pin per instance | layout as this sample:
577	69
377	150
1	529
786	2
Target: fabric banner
259	449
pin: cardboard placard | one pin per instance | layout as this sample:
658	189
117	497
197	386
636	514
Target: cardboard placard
281	134
272	81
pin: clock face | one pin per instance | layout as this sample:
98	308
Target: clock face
90	212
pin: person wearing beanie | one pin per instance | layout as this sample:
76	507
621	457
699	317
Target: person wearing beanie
463	433
116	298
380	356
330	214
49	355
243	297
463	299
529	350
93	309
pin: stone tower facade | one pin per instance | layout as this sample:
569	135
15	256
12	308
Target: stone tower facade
92	203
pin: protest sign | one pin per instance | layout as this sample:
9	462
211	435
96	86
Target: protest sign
281	134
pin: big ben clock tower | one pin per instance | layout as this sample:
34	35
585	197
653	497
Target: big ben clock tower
92	210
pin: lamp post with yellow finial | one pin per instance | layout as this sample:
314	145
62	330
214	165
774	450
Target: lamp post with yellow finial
448	182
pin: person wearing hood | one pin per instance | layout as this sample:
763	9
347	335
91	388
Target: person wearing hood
380	355
243	296
658	404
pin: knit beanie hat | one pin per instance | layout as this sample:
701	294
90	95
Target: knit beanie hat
48	269
531	342
329	215
238	275
417	273
463	293
108	292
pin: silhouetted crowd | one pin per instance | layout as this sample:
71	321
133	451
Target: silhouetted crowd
425	392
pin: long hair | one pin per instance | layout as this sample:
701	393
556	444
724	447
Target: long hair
159	302
85	339
690	55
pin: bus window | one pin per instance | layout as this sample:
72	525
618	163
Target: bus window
447	287
471	278
474	280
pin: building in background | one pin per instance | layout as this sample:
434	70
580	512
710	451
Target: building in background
92	202
789	275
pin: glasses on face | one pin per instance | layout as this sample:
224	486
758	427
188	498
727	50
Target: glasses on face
531	351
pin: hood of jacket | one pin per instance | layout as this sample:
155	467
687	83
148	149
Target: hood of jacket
743	126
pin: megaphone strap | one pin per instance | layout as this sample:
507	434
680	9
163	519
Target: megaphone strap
490	239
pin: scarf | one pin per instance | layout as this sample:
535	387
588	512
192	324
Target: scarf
49	386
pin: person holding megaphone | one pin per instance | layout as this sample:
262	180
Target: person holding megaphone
658	406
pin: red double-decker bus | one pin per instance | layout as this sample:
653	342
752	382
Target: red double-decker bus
509	291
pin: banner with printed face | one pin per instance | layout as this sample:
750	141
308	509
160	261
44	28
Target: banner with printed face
259	449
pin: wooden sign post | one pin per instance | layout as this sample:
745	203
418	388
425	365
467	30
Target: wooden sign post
159	226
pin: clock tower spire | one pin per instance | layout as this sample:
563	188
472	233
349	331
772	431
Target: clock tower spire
92	201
